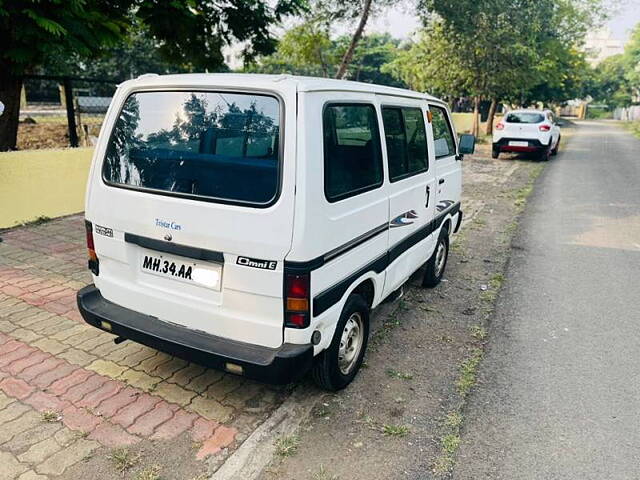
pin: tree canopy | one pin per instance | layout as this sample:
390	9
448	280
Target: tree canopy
188	33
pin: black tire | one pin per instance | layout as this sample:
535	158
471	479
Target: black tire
326	371
495	152
555	149
545	153
433	274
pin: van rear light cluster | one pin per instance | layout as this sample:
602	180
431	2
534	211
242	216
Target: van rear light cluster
94	265
296	300
500	126
544	128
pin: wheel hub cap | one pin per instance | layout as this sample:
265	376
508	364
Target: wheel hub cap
441	256
350	343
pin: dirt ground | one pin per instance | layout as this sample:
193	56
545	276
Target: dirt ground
53	133
402	415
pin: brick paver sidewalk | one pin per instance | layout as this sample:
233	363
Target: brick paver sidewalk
67	390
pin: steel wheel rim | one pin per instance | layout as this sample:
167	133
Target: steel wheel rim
441	256
350	343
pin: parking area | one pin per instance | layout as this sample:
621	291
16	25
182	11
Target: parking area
67	390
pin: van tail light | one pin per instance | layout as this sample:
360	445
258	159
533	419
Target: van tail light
544	128
94	265
296	300
500	126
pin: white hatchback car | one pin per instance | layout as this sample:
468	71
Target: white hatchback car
527	131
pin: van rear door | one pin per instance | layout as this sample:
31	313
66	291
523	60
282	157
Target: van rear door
192	202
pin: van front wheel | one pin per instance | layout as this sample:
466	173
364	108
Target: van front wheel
337	366
438	261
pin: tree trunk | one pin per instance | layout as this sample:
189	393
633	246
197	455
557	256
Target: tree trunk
348	55
491	115
475	128
10	88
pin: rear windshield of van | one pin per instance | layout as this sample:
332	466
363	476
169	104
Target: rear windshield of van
525	117
211	145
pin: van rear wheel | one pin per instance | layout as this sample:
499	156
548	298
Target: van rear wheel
338	365
438	261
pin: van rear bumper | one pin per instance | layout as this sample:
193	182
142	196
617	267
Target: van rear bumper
272	365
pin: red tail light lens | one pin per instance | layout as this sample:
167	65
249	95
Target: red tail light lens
94	265
500	126
296	300
544	128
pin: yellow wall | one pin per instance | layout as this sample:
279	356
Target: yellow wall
36	183
464	121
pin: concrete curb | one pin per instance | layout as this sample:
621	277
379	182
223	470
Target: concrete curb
248	461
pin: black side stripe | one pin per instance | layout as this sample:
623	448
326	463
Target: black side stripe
329	297
304	267
174	248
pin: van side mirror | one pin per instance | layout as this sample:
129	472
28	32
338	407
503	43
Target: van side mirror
467	144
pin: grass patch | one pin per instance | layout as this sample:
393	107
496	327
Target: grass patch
42	219
51	416
454	420
496	280
468	371
633	127
478	332
450	443
401	375
395	430
123	459
287	446
149	473
323	474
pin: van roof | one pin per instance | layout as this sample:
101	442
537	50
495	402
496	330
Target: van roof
302	84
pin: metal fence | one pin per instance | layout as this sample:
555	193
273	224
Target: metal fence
59	111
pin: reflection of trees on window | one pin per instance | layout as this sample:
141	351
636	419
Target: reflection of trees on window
124	138
226	130
205	144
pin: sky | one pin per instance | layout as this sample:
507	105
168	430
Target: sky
401	21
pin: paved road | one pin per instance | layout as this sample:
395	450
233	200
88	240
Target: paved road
560	387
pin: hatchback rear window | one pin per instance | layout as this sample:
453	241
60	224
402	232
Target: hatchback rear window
212	145
524	118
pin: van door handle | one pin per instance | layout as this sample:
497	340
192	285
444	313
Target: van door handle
441	181
428	196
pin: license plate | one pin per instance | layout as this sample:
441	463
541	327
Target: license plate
518	144
208	275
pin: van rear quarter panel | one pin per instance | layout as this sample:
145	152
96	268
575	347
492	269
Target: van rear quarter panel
249	306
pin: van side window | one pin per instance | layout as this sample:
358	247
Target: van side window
406	139
442	133
352	152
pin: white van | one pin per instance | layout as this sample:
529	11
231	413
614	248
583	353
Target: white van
250	223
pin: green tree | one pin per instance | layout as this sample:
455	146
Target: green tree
189	33
133	55
497	50
307	49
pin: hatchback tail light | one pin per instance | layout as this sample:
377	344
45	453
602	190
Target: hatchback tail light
500	126
94	264
296	300
544	128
